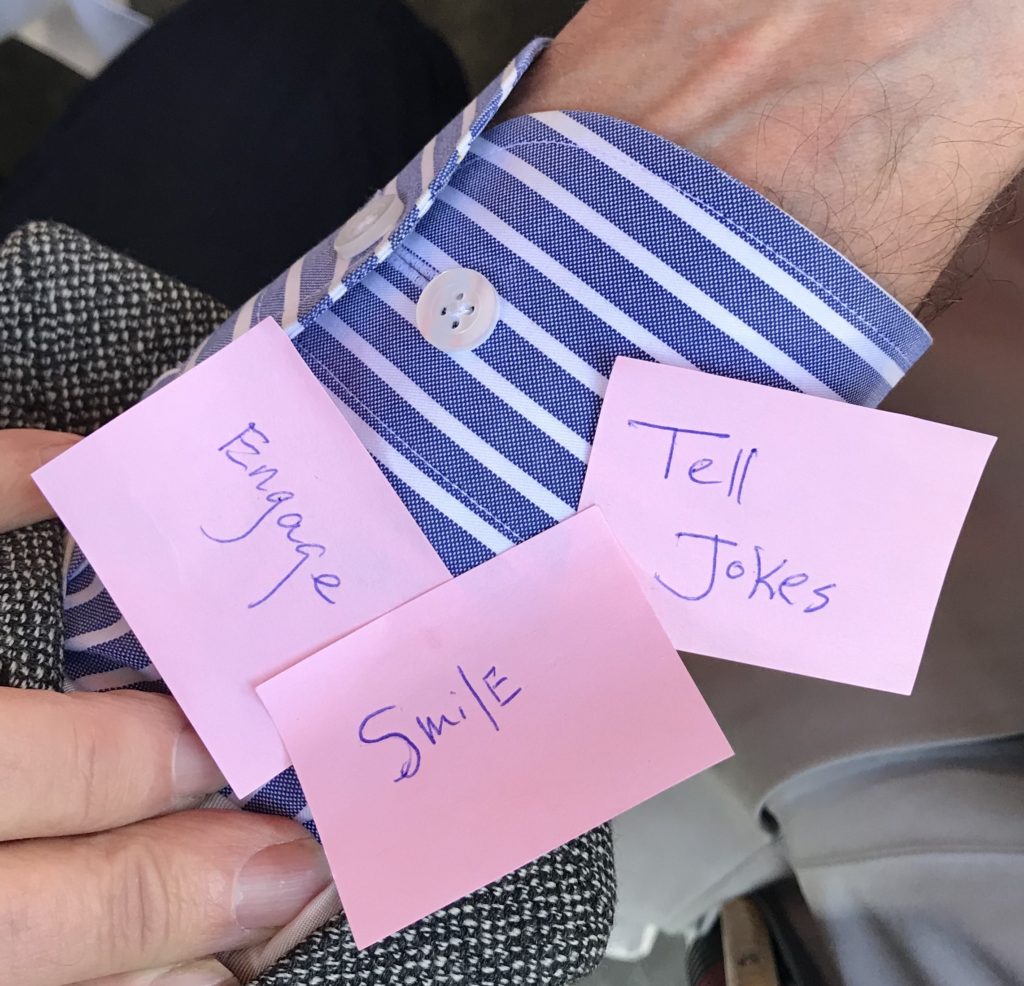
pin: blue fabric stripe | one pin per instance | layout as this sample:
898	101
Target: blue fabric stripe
78	664
691	254
125	650
280	796
270	302
542	300
615	277
80	574
533	372
404	428
459	551
831	276
501	426
591	338
153	687
542	379
95	614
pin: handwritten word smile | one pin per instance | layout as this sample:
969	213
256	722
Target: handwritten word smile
433	729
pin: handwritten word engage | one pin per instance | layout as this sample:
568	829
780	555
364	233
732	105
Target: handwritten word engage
236	450
433	729
706	548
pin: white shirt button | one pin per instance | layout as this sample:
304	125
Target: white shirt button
369	225
457	310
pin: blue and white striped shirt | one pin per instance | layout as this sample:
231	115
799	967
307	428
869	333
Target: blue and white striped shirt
601	240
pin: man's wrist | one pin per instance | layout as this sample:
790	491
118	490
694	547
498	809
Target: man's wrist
886	135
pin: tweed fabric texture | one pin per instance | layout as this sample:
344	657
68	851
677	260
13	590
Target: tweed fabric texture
543	925
83	332
31	637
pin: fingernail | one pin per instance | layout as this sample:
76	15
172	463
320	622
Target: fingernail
51	451
194	771
279	882
208	973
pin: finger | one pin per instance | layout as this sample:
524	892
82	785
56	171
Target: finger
85	762
208	972
22	451
162	891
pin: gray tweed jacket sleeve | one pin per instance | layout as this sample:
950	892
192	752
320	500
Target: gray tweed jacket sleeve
83	332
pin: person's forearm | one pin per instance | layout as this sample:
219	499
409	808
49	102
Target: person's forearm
887	129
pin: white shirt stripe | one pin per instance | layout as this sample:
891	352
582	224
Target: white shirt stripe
723	237
656	269
520	323
73	573
244	321
427	170
470	442
564	278
118	678
500	386
508	80
292	284
469	114
94	637
443	420
91	591
421	483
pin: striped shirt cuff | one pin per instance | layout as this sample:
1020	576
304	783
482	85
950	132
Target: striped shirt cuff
674	220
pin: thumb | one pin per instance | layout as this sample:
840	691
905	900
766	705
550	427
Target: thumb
22	451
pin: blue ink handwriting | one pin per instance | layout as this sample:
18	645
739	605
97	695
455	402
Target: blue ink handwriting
249	444
433	729
711	560
702	471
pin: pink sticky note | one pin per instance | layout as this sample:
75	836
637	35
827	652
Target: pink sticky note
486	723
834	523
239	525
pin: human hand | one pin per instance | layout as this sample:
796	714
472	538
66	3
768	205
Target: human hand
886	129
22	451
103	867
102	870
